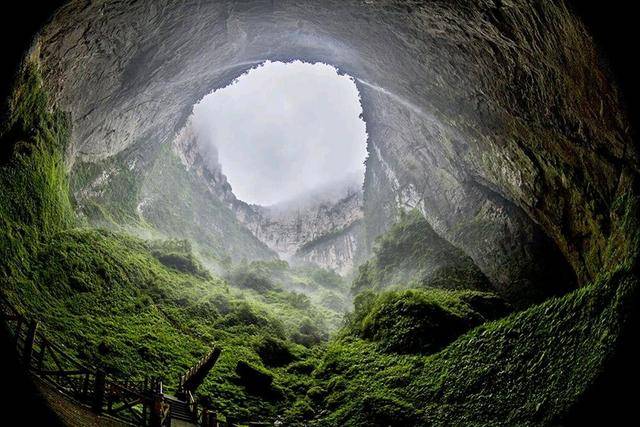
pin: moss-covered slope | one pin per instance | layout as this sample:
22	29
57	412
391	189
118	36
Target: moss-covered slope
147	190
411	254
531	368
135	308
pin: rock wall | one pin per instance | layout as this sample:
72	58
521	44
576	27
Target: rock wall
326	233
521	180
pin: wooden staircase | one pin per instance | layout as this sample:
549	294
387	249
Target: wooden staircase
194	377
180	410
141	403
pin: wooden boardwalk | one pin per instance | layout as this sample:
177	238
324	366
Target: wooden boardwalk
87	394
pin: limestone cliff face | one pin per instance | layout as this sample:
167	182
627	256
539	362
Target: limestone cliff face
325	232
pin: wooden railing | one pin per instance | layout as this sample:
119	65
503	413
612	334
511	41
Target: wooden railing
127	400
135	402
191	379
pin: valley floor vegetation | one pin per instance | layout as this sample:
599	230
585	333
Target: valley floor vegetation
417	346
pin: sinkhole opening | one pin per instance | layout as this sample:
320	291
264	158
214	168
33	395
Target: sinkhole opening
285	131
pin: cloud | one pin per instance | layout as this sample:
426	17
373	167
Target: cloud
283	129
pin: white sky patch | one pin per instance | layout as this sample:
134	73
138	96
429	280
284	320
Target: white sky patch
283	129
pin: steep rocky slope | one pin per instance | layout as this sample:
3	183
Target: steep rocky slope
324	231
147	190
412	255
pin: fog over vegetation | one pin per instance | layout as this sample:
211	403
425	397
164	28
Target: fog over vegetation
284	128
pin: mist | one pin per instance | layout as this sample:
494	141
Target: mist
282	130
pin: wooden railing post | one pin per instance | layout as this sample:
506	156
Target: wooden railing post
157	410
85	386
43	346
99	391
209	418
28	343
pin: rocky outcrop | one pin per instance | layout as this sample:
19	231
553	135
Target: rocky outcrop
521	180
324	232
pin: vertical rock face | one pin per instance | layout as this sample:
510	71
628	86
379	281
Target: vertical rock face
326	232
519	259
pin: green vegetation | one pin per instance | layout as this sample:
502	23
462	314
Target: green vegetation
534	367
157	197
303	287
178	204
106	192
413	320
404	357
530	368
177	254
412	255
34	201
134	307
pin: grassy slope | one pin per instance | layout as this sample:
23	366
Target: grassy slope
306	286
411	254
107	296
110	300
527	369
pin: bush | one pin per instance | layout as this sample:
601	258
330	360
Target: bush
248	279
309	334
382	411
178	255
274	352
256	380
421	321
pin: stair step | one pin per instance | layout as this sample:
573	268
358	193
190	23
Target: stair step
179	409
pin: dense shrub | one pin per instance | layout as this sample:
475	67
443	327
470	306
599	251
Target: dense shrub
256	380
178	254
423	321
309	334
274	352
244	278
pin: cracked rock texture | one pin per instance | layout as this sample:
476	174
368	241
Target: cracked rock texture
520	180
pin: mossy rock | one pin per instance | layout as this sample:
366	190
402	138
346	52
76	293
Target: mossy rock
274	352
423	321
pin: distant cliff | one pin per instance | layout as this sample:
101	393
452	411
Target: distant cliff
323	227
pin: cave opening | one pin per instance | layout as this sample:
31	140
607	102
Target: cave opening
285	133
